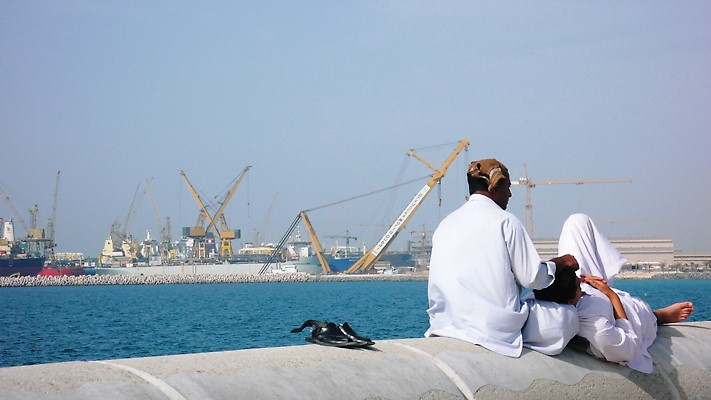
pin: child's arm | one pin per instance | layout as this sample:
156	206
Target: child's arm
602	286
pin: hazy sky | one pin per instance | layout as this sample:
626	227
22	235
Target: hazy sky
323	99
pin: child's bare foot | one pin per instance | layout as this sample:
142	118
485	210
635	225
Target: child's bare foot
676	312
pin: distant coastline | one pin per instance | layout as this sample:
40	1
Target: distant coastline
660	275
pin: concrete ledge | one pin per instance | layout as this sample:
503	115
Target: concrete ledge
434	368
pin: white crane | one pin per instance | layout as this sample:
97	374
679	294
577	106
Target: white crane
529	185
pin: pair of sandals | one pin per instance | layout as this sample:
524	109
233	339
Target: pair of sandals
328	333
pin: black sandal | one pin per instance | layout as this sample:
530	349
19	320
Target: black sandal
360	340
327	333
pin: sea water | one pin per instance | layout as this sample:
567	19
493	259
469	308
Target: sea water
55	324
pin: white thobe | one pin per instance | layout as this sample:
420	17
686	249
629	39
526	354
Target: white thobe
624	341
593	251
617	340
481	257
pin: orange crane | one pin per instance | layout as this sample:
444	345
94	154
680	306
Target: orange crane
370	257
529	185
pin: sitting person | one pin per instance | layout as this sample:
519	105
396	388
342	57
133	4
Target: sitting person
619	327
481	258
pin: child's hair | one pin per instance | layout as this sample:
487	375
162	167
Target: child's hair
562	290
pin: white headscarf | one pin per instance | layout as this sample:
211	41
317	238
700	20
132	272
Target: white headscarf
594	252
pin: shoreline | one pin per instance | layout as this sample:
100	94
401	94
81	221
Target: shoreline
106	280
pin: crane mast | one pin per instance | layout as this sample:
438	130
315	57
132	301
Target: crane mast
53	219
199	230
369	258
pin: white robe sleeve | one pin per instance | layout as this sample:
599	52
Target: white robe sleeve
526	264
610	339
549	326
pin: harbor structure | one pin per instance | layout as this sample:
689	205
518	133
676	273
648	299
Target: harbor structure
417	368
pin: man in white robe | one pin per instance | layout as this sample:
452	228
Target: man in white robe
619	327
481	258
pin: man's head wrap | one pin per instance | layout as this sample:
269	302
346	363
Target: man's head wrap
489	170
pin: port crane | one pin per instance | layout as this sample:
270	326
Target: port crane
14	211
165	236
259	235
51	244
525	181
224	233
423	245
347	237
318	249
370	257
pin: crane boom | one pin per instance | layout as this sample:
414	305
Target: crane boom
260	235
219	215
52	224
369	258
226	235
164	230
14	210
203	211
315	242
529	185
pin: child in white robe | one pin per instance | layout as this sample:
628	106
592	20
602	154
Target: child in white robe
619	327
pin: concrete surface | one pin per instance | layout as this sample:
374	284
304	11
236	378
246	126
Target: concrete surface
433	368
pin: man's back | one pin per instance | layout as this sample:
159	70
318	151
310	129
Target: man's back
473	290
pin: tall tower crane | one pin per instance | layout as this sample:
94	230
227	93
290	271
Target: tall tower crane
529	185
348	238
52	221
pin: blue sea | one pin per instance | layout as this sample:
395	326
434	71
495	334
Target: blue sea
56	324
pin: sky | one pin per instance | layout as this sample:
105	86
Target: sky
324	99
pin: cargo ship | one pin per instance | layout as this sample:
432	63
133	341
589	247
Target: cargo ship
248	261
17	257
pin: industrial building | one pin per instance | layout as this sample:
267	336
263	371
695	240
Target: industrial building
643	253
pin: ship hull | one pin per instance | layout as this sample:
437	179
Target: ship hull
22	266
396	260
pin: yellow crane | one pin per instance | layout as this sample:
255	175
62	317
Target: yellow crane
224	233
370	257
199	229
530	185
275	256
318	249
227	235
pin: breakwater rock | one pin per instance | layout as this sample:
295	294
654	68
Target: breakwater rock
91	280
94	280
664	275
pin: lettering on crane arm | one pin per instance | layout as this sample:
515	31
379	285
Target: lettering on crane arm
395	227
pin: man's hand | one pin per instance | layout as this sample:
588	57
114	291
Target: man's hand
565	261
